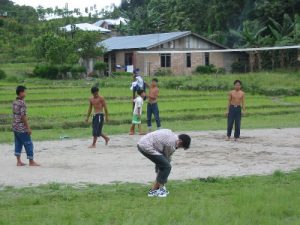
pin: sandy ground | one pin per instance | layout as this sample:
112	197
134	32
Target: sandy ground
70	161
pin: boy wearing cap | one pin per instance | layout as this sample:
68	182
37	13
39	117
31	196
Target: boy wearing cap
158	147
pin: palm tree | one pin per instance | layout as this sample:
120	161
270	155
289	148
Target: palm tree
283	34
251	37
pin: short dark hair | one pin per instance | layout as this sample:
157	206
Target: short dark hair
94	90
186	140
237	81
139	92
155	79
20	89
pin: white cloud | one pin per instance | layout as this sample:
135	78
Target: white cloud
71	3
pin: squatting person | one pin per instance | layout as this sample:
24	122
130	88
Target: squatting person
236	103
21	128
158	147
98	103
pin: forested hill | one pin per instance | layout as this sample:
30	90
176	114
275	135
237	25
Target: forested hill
235	23
213	18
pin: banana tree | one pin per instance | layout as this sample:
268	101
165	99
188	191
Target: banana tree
250	37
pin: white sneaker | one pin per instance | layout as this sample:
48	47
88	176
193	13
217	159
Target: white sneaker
162	193
153	193
165	189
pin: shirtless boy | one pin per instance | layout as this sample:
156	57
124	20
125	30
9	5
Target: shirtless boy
236	103
152	107
98	102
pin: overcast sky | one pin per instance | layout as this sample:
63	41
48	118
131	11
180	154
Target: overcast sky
72	3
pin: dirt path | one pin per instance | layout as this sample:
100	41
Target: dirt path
69	161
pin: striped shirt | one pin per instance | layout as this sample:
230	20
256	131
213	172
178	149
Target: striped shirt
157	142
19	110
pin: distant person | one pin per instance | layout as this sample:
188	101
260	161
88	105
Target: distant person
21	128
158	147
137	84
152	107
137	112
236	103
98	103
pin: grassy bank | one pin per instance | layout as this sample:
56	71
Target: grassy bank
264	200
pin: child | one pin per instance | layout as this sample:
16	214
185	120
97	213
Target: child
137	112
158	146
236	102
21	129
98	102
152	107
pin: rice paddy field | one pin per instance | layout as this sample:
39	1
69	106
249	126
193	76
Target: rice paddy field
58	108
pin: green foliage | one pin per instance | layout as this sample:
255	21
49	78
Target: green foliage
77	71
86	44
206	69
238	67
161	72
100	66
2	74
46	71
122	73
53	48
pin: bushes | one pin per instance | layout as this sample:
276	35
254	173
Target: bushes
100	68
162	72
206	69
2	74
46	71
238	67
58	72
121	73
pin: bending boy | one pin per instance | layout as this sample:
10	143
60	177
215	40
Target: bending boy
158	147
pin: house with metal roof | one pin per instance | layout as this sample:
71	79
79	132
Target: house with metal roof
174	51
84	27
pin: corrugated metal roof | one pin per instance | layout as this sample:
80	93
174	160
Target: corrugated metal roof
111	21
140	41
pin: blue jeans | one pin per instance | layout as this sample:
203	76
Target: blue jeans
23	139
152	108
234	117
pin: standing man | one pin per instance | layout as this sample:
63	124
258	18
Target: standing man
21	128
158	147
152	107
98	103
236	103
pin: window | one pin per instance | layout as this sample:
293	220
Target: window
165	60
188	60
187	42
172	44
207	59
128	59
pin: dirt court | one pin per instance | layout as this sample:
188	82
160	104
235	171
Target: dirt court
70	161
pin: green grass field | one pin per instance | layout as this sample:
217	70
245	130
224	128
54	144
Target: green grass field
266	200
58	108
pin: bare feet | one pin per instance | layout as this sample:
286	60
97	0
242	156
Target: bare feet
142	133
92	146
20	164
228	139
107	140
131	133
33	163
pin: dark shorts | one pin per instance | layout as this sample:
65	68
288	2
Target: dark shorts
98	120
